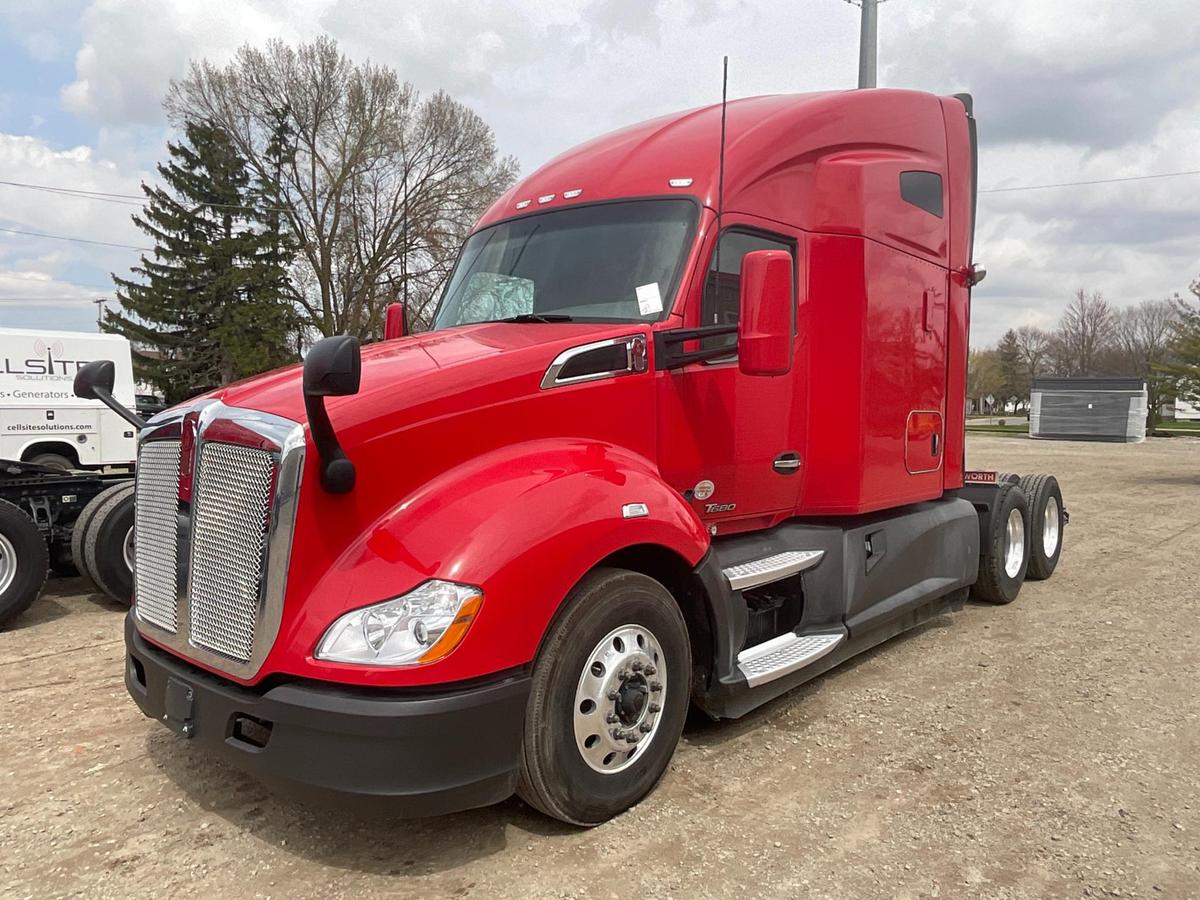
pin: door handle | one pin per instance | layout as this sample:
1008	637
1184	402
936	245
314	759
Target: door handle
933	444
787	463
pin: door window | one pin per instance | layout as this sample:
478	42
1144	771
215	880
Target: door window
722	288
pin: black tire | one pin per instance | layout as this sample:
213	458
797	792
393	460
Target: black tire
996	584
555	777
1046	538
54	461
104	546
84	519
24	560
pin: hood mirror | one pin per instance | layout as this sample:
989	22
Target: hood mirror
332	368
95	381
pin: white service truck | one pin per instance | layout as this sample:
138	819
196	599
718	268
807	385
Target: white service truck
41	419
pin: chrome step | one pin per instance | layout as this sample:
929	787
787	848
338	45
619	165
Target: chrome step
771	568
779	656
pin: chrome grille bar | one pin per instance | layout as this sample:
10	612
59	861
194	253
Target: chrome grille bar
156	536
229	539
213	582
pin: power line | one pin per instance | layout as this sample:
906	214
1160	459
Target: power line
77	240
1042	187
128	199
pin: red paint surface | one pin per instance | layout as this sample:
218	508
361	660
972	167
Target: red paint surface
468	471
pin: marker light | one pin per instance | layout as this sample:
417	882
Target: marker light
546	198
521	204
419	627
680	182
572	194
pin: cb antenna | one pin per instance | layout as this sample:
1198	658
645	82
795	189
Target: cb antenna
720	181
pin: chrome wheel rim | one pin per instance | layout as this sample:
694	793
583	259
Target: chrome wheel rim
1014	543
8	563
127	548
1050	527
619	699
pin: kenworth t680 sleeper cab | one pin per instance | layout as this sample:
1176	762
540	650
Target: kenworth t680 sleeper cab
664	444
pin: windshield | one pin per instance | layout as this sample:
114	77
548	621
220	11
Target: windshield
611	262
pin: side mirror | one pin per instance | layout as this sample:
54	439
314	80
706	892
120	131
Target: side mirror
332	368
95	381
766	313
395	325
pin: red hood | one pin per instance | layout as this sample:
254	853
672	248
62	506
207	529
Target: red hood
422	367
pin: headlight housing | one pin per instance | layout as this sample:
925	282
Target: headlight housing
418	627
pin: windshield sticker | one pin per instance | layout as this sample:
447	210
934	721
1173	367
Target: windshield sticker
648	298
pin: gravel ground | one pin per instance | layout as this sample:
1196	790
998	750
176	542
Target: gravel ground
1050	748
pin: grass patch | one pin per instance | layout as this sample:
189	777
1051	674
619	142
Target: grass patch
1022	428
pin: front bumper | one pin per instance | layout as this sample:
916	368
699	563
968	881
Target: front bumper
427	753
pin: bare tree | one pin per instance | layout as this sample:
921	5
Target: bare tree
1033	346
1144	335
382	185
1085	331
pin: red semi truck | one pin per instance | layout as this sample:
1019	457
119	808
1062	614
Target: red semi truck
687	429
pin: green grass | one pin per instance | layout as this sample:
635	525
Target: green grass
1020	428
1181	427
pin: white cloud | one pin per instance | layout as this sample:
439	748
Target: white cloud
1065	91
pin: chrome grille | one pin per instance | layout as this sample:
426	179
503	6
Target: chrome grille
230	522
155	505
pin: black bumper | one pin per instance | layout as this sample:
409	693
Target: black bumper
425	754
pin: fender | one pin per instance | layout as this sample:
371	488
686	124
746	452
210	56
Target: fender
524	523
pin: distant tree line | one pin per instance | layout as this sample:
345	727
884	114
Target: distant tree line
1156	340
303	194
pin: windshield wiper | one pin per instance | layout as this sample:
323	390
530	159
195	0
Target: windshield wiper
538	317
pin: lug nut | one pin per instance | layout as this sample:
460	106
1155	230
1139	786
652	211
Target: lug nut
637	665
656	686
650	670
632	737
617	734
654	707
614	695
611	719
645	727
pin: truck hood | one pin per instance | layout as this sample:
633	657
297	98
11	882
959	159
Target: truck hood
425	368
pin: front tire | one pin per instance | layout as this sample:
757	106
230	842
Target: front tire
609	698
1004	558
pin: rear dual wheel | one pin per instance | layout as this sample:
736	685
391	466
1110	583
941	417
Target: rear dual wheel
609	698
102	541
23	561
1004	560
1047	519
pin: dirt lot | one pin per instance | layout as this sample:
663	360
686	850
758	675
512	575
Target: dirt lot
1048	748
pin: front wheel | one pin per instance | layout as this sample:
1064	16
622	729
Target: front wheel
609	698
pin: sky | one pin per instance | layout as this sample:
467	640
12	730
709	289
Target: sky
1074	90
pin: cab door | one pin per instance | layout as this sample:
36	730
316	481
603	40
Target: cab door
727	440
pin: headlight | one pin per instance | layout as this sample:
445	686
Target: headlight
419	627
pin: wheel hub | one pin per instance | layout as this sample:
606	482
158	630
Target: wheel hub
8	563
619	698
1014	543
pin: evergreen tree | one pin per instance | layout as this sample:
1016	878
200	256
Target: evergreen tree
211	305
1013	382
1184	369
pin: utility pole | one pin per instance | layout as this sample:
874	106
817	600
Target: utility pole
868	43
99	301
